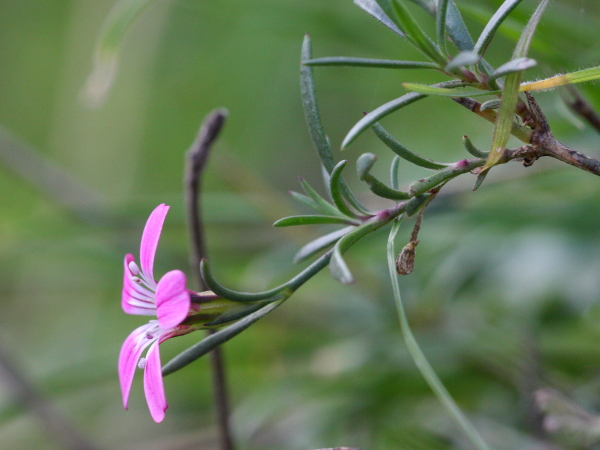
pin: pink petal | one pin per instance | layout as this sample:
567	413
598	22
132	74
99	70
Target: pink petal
153	385
131	351
172	299
136	299
150	239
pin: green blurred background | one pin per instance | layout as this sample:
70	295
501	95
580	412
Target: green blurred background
504	298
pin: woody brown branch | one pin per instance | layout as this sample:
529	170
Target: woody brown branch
539	137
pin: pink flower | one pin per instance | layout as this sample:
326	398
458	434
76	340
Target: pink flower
169	300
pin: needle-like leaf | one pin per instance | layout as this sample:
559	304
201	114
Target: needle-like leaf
374	9
293	221
369	62
490	29
319	244
510	94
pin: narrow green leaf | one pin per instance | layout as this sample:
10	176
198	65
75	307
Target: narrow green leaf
490	29
466	58
292	221
441	23
326	180
306	200
458	31
374	9
313	120
235	314
404	152
229	294
335	187
510	94
426	184
108	45
364	164
214	340
580	76
416	204
480	179
323	205
472	149
454	92
415	33
381	190
311	109
319	244
379	113
490	104
427	5
394	172
387	109
516	65
368	62
524	42
339	268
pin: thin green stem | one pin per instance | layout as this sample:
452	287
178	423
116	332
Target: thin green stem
419	358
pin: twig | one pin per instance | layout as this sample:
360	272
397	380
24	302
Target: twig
539	136
580	106
197	159
25	393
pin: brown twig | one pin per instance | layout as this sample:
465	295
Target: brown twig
580	106
197	159
538	135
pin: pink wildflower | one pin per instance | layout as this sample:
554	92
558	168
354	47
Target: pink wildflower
169	300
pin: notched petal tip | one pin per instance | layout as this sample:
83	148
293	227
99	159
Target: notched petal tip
150	239
173	300
153	385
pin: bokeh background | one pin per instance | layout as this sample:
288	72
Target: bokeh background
504	298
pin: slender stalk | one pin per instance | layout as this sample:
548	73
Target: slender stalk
583	108
197	159
419	358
